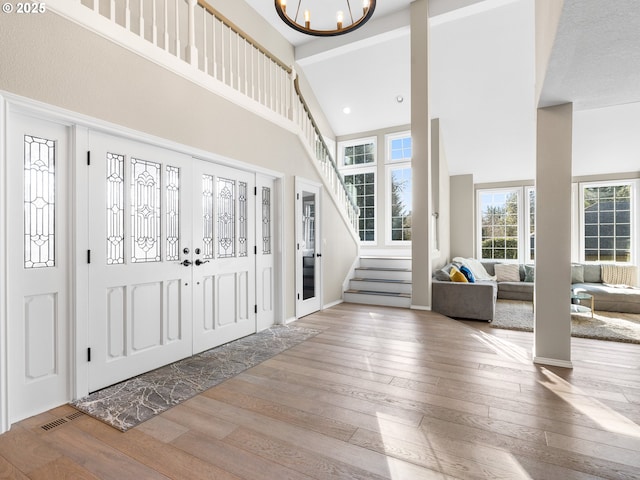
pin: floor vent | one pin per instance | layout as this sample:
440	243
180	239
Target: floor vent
61	421
51	425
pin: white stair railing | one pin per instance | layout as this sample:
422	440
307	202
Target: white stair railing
201	44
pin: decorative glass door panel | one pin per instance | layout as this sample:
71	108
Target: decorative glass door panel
139	288
308	255
224	262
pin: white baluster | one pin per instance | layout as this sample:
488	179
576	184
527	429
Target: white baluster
223	62
141	23
177	23
112	10
127	16
96	6
154	29
205	64
238	69
213	47
165	42
192	51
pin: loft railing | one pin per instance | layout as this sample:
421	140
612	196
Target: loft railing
198	42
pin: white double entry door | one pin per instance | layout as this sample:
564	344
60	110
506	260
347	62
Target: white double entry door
173	256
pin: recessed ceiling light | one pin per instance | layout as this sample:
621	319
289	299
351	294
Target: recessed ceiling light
346	110
399	99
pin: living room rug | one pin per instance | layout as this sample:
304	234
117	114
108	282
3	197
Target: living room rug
133	401
614	326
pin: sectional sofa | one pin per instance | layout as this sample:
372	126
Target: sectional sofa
478	300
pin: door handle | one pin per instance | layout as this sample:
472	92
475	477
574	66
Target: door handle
200	262
187	263
318	254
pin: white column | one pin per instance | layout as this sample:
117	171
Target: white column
421	161
552	295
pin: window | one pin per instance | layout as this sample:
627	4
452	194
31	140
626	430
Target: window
362	187
358	152
400	201
531	224
499	223
357	160
400	148
607	218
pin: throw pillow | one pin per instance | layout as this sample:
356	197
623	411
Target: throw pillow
507	272
476	267
443	273
467	273
577	273
529	273
457	276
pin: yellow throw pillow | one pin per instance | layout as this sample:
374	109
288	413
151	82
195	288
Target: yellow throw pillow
457	276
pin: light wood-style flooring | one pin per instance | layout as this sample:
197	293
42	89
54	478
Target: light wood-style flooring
381	393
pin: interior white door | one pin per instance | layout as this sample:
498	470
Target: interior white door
224	254
308	253
38	169
140	296
266	251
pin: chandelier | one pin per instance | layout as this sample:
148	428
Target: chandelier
345	21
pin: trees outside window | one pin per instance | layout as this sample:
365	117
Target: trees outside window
499	224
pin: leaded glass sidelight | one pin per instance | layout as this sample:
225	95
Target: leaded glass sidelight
115	209
266	220
173	212
39	202
145	211
207	216
242	219
226	218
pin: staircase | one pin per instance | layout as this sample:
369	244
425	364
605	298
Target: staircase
381	281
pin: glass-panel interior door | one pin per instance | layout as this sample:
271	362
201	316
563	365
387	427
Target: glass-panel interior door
308	254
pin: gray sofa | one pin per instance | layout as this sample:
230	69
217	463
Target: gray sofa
477	301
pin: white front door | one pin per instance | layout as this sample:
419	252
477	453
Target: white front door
223	254
140	308
38	165
308	248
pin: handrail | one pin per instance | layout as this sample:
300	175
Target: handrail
296	84
244	35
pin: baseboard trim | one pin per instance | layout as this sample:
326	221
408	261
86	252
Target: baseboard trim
420	307
289	320
553	362
333	304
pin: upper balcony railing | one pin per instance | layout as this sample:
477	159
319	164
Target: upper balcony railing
198	42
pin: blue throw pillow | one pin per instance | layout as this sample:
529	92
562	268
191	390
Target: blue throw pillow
467	273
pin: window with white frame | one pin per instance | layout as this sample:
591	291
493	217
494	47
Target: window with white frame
357	159
499	223
399	186
607	221
357	152
362	186
530	247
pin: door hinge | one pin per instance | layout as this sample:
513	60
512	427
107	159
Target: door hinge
88	256
255	250
255	309
88	157
298	296
297	196
255	191
298	246
89	354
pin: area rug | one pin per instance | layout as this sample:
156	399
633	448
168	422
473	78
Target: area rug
618	327
133	401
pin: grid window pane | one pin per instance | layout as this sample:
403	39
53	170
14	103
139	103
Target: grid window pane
401	148
401	204
607	223
359	154
362	188
499	213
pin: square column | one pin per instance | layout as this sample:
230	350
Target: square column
552	295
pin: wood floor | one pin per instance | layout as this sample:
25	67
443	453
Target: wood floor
381	393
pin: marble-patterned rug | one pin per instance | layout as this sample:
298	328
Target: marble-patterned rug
129	403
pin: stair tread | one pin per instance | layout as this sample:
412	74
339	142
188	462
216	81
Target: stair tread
385	269
381	280
372	292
